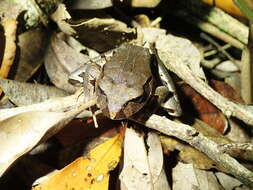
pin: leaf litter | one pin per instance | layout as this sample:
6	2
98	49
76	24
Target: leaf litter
73	36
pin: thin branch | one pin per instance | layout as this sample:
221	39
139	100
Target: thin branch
236	146
201	143
218	18
229	108
209	28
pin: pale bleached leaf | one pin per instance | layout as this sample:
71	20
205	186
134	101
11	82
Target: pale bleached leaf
91	4
22	132
21	93
183	50
227	66
60	16
144	3
207	180
228	182
184	177
61	60
150	35
155	158
142	170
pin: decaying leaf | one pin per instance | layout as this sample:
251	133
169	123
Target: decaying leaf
62	59
234	81
187	154
22	94
106	33
27	128
186	177
228	182
32	46
143	169
207	180
226	91
206	111
87	173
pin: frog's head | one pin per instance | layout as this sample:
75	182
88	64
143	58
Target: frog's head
119	101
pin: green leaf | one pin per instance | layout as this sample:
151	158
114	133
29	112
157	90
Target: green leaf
246	6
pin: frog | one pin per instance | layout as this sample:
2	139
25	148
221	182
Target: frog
122	80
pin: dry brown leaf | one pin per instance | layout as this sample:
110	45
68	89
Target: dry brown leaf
206	111
187	153
32	46
227	91
87	173
103	34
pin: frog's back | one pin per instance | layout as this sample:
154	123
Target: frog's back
129	65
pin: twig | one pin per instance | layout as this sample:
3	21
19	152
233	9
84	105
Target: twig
242	112
214	51
203	144
212	41
210	63
209	28
217	17
247	70
246	91
10	27
238	146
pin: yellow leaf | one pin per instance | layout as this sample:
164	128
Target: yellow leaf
91	173
226	5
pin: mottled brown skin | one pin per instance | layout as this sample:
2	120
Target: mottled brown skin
126	82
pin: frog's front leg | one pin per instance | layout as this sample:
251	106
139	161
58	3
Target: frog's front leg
87	76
